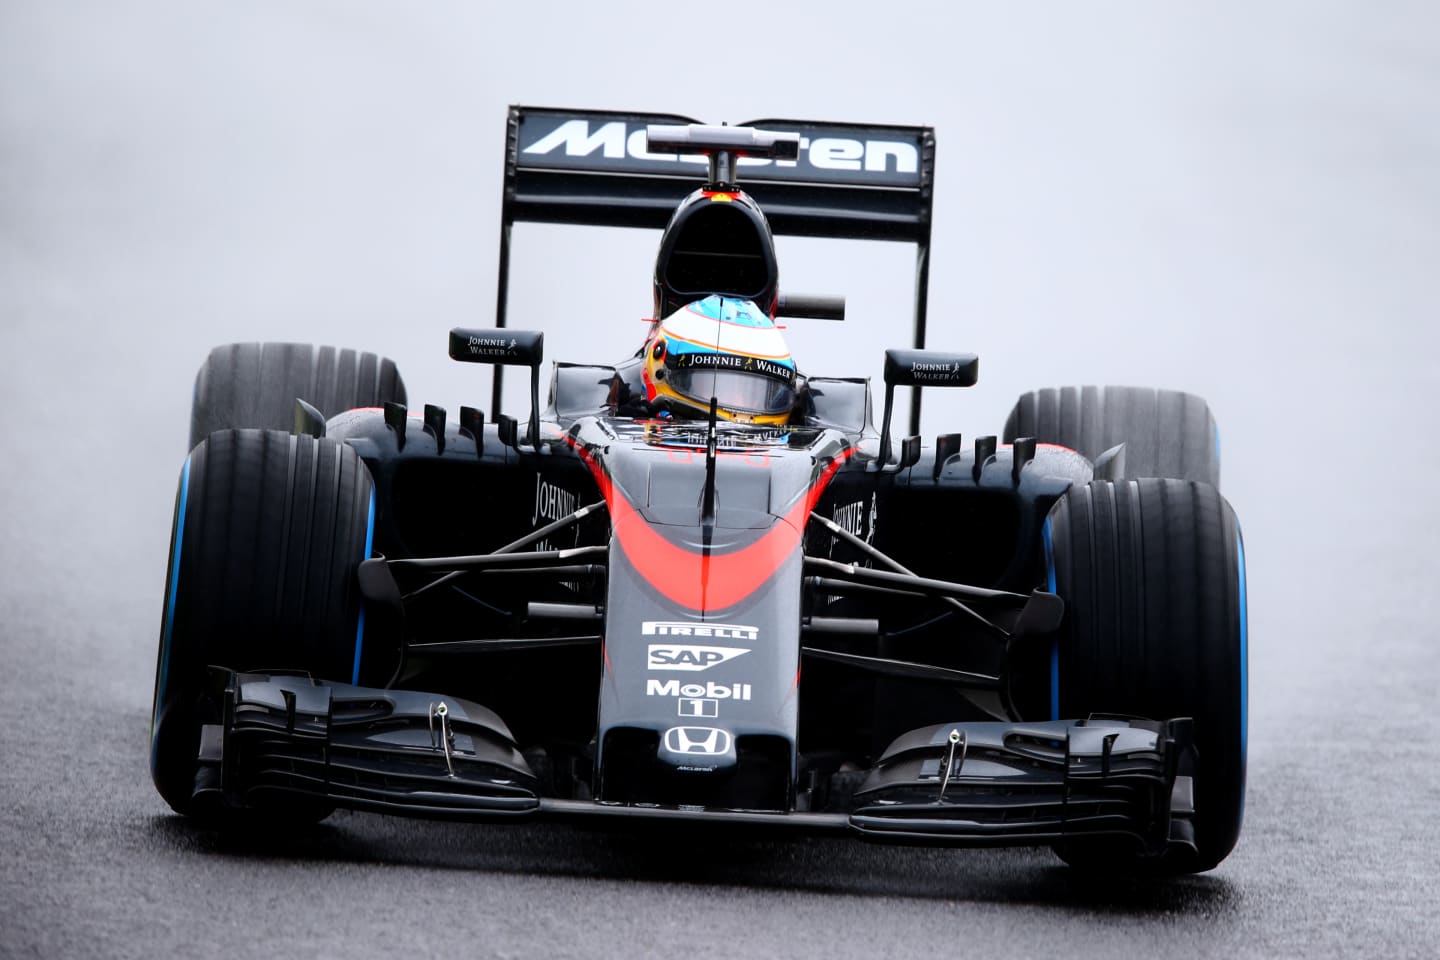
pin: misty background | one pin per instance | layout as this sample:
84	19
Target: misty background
1241	200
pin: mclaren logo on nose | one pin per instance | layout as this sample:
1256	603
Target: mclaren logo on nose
709	741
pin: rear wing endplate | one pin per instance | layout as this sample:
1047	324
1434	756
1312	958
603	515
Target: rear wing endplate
850	181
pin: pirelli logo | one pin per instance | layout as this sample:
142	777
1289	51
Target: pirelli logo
696	631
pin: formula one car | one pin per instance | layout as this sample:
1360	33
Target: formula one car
698	585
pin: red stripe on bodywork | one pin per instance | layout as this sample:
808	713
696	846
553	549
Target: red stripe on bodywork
701	581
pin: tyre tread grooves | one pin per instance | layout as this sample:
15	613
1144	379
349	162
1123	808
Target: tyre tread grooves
1149	573
255	385
1166	433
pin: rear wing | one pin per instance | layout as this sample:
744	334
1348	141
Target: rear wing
850	181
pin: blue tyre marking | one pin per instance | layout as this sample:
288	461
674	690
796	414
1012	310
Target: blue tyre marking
167	629
360	626
1244	651
1054	644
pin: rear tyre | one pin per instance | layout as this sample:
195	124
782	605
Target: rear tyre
1153	577
268	531
1166	433
256	384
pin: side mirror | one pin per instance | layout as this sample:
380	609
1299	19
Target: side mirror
505	347
930	368
923	368
499	346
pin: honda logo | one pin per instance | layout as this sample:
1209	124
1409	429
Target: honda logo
709	741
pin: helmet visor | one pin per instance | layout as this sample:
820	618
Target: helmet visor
734	390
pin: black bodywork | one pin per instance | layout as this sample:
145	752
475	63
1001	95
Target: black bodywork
589	614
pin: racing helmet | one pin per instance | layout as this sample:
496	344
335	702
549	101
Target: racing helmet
725	348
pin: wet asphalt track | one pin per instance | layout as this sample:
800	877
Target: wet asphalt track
170	180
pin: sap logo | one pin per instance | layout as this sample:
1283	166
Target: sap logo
693	657
708	741
614	142
717	631
697	691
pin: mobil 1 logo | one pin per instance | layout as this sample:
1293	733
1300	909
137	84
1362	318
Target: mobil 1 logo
697	707
697	699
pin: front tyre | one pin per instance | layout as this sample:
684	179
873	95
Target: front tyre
269	529
1153	577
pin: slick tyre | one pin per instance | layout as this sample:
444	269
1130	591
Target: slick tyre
1166	433
269	530
1153	577
255	385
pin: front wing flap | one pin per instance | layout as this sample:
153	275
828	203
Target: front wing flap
1034	783
392	751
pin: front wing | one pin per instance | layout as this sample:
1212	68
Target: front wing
963	784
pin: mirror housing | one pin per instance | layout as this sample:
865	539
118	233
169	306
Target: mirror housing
930	368
923	368
501	346
497	345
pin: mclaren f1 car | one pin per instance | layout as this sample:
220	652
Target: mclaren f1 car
699	585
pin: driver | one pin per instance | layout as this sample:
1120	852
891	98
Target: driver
718	347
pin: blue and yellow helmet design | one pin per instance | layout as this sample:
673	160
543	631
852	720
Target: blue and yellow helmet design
724	348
